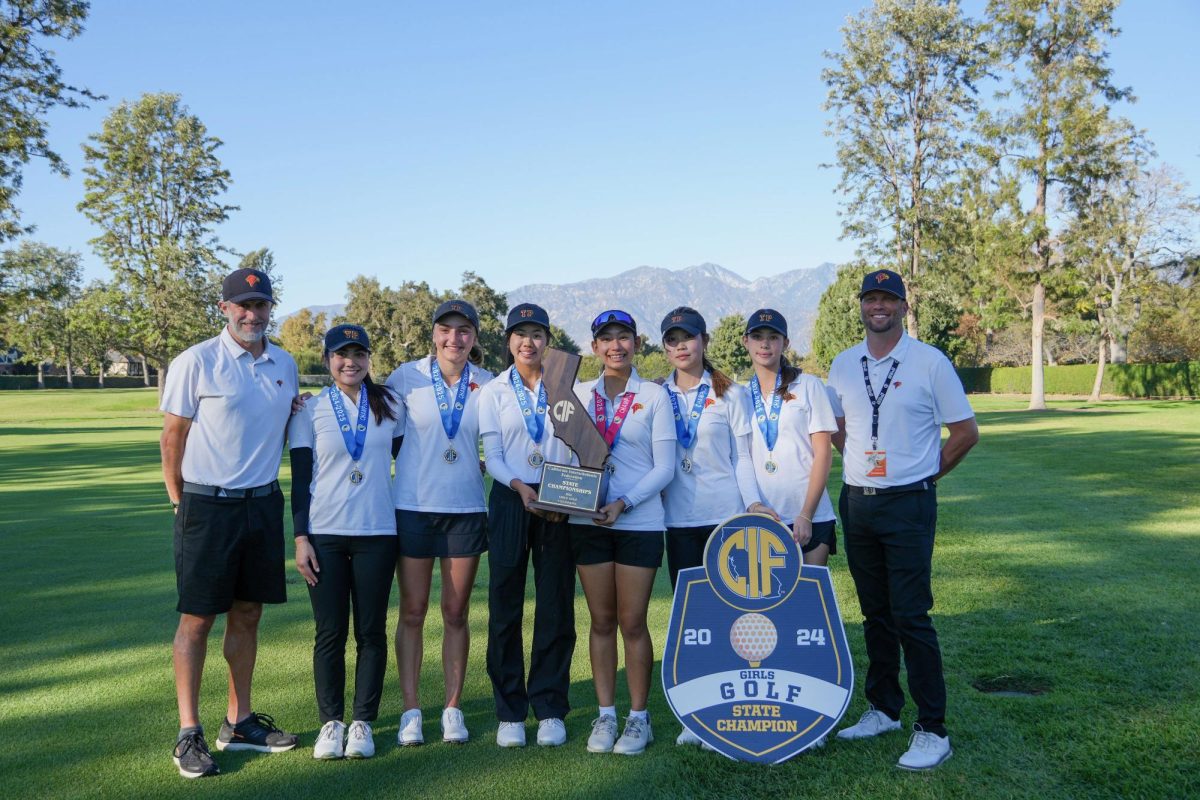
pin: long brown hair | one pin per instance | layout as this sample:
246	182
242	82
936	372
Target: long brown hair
720	381
379	397
790	373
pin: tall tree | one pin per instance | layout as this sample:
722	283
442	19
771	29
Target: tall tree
725	349
902	93
153	186
1061	83
562	340
492	307
98	325
31	85
43	282
302	331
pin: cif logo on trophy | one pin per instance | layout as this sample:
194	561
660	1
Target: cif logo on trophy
565	488
756	663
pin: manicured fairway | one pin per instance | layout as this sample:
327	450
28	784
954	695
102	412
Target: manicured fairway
1066	565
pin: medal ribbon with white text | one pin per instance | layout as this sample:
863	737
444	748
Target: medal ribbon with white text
767	423
355	437
685	430
611	431
535	418
451	415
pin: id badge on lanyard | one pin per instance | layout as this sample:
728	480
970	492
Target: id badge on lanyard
876	458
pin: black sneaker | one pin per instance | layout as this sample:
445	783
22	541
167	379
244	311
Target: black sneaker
192	757
255	732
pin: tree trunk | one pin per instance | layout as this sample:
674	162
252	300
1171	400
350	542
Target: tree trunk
145	371
1119	352
1095	397
41	375
70	374
101	372
1037	389
162	379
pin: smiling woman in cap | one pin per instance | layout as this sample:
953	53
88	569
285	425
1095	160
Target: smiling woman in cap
792	429
440	509
618	555
518	438
342	446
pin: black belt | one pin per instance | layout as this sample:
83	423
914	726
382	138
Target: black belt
919	486
216	491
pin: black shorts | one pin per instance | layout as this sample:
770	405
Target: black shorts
823	533
429	534
593	544
228	549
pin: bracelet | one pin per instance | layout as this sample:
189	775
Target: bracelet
806	519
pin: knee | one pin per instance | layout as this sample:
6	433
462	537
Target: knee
454	617
244	615
412	614
604	625
193	628
633	626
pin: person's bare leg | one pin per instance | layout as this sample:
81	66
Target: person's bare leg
187	653
458	576
414	576
818	556
600	590
634	585
241	651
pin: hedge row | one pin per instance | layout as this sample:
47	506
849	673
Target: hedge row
1181	379
60	382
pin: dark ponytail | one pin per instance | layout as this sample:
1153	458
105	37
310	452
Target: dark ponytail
380	399
790	374
720	381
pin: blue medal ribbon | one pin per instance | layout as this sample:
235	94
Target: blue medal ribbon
451	413
535	418
768	423
355	436
685	430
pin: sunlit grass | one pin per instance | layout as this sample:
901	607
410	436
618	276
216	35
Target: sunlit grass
1066	553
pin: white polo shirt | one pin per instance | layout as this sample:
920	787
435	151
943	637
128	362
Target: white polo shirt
500	414
339	506
425	481
710	492
239	407
925	394
649	420
808	412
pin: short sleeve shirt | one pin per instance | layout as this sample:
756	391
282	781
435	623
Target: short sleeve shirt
500	413
925	393
239	406
339	506
708	493
649	420
425	480
806	413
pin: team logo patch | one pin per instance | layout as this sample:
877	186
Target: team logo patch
882	277
252	280
350	333
756	662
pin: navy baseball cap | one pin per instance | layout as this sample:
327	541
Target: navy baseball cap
613	317
767	318
686	319
883	280
341	336
457	307
527	313
246	284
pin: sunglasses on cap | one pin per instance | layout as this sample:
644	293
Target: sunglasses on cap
609	317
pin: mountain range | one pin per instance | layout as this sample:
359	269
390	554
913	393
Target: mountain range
648	293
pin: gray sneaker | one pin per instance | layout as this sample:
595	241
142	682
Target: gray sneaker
636	736
604	734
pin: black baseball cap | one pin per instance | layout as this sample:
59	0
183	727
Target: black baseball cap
767	318
613	317
246	284
883	280
686	319
527	313
340	336
458	307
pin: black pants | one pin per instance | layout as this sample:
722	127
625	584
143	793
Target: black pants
358	570
685	548
513	535
889	549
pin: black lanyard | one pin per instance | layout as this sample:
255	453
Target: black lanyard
876	402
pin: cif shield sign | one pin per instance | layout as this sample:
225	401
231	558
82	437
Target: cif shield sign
756	663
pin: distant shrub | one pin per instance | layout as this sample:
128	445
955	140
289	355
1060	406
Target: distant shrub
1180	379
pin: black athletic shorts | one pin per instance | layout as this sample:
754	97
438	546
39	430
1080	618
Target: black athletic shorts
594	544
823	533
228	549
429	534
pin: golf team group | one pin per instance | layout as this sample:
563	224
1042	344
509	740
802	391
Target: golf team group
387	482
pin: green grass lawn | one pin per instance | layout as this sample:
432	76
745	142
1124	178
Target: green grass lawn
1066	564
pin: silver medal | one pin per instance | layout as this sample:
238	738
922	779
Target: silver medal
356	476
450	456
536	459
770	467
686	464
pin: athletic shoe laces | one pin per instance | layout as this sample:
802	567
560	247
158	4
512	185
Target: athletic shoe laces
923	740
359	731
262	720
190	742
635	727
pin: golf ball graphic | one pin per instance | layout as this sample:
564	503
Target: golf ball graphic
753	637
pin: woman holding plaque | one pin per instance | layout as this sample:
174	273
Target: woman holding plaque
791	438
341	454
440	510
618	553
518	438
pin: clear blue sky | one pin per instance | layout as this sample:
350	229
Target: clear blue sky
527	141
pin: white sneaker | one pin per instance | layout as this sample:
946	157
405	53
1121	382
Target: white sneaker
410	728
686	737
511	734
359	741
925	750
604	734
872	723
636	736
329	740
819	743
454	727
551	732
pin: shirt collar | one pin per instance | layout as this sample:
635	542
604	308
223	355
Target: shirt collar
898	352
706	378
634	383
237	351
